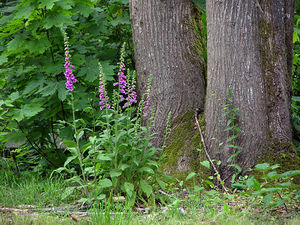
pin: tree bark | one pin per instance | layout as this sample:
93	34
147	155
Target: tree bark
250	51
163	47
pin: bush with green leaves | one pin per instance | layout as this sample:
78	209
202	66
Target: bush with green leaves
33	95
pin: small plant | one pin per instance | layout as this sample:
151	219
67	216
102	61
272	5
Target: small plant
232	114
272	188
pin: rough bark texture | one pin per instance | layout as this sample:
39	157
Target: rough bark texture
163	47
249	50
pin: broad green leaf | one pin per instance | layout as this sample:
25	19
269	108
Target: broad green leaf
66	4
102	157
69	159
50	89
146	188
146	170
47	3
123	19
24	11
279	203
108	70
262	167
58	20
62	91
101	197
38	46
161	183
3	59
14	96
268	198
84	9
238	185
129	188
290	173
273	175
205	163
105	183
115	173
90	69
28	111
191	175
16	44
252	182
33	85
70	144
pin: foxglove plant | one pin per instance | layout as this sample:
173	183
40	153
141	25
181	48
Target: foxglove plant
102	92
69	73
131	93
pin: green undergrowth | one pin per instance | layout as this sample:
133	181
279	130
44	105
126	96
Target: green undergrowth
283	154
197	206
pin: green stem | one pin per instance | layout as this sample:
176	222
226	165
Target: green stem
77	143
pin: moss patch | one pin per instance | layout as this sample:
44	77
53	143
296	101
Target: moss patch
181	154
283	154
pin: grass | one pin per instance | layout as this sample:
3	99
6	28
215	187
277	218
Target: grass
44	192
31	190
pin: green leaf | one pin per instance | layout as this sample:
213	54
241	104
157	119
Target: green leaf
146	188
101	197
205	163
146	170
290	173
129	188
3	59
161	183
24	11
108	70
239	186
70	144
191	175
58	20
105	183
90	69
103	157
84	9
38	46
252	182
279	203
28	111
14	96
50	89
268	198
262	167
65	4
47	3
115	173
69	159
62	91
33	85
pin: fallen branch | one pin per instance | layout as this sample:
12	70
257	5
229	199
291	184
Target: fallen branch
207	155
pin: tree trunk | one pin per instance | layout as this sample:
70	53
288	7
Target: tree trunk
250	51
163	47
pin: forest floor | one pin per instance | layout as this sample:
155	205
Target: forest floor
35	200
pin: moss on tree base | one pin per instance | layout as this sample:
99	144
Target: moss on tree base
181	154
